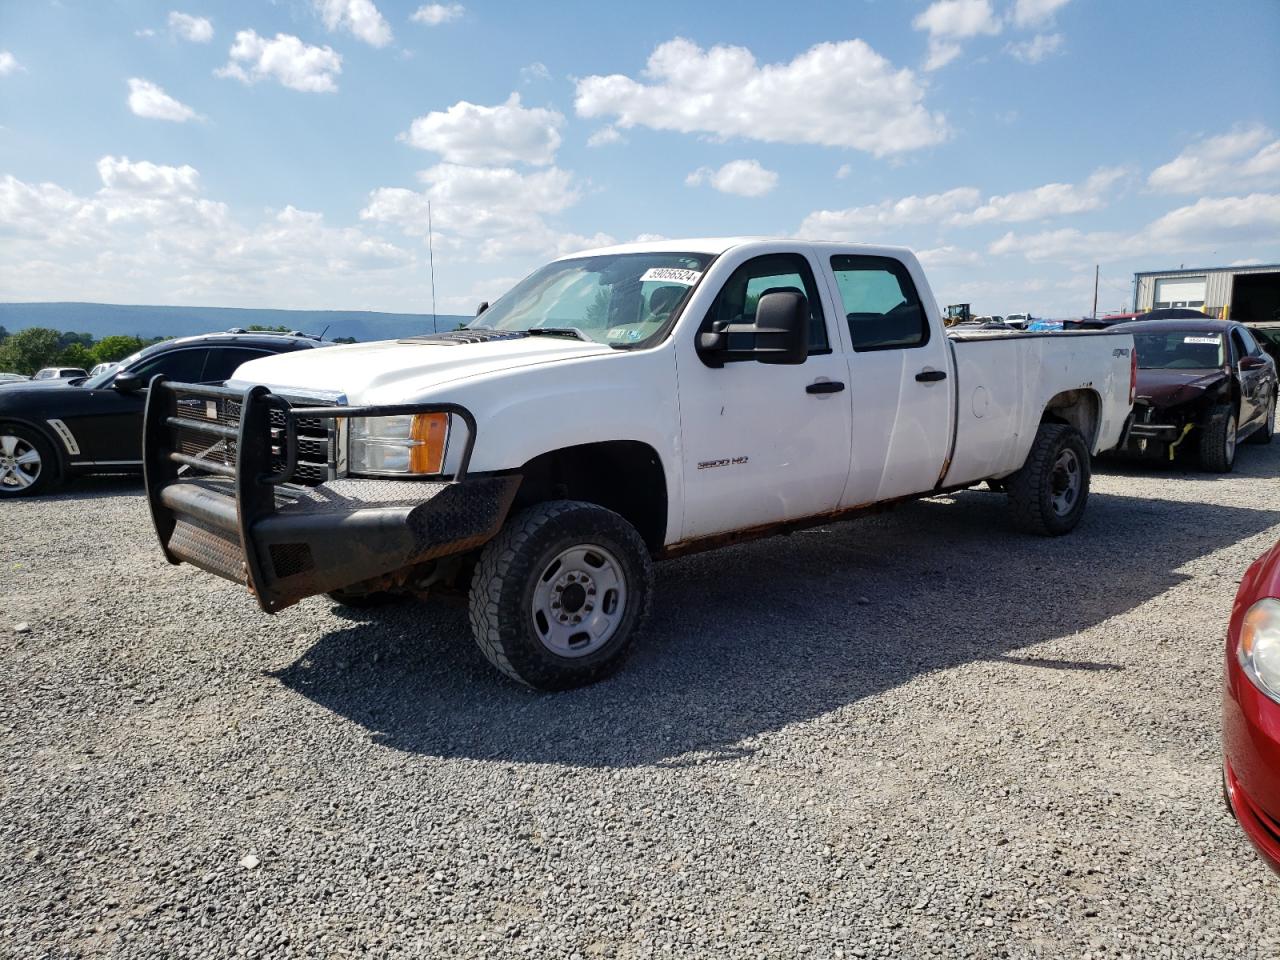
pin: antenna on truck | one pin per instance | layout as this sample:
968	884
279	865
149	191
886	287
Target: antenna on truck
431	258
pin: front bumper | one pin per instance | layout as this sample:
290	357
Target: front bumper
1251	759
236	513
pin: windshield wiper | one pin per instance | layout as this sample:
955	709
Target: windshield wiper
558	332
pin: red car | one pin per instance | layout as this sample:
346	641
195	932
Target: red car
1251	707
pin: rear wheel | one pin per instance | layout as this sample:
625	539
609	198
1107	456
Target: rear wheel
560	593
1264	432
1218	440
27	464
1048	495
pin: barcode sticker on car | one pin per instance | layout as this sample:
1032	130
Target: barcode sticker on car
1212	340
671	275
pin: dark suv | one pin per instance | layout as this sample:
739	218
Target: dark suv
51	430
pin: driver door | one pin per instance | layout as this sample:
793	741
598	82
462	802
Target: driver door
764	443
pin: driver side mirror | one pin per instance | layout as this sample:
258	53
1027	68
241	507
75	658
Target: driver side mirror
780	333
484	305
127	382
1252	363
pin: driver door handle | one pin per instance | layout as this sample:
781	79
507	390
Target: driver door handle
824	386
931	376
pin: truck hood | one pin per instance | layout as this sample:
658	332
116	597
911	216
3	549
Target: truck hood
1168	388
403	368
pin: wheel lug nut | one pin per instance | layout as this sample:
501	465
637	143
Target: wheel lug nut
591	591
555	604
571	578
577	619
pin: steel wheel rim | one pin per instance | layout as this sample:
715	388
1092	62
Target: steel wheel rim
20	463
1066	482
579	601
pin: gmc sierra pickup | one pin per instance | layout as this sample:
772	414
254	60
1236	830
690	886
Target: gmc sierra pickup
615	407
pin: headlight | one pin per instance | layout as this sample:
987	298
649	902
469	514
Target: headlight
1259	649
411	445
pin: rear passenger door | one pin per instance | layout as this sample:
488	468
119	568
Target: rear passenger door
898	375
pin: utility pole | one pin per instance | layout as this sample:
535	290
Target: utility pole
1096	268
431	258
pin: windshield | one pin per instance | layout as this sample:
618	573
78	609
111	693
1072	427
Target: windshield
1179	350
106	376
623	300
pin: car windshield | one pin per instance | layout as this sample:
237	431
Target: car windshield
1179	350
624	300
106	376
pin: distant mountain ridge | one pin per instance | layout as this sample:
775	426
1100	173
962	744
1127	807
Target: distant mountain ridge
104	319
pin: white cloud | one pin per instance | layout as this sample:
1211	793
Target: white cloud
948	21
743	178
1208	223
188	27
605	136
360	18
1050	200
1035	13
947	256
1039	47
835	94
1246	156
495	211
536	71
844	171
287	59
148	235
148	100
509	133
9	64
434	14
963	206
855	222
145	33
144	178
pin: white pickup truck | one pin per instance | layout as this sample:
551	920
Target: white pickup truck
615	407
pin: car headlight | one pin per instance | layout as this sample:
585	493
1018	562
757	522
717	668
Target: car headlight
1259	647
409	445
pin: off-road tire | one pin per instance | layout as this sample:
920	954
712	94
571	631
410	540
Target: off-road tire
1031	490
48	477
1215	457
502	592
1264	432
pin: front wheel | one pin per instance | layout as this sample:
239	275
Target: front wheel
27	465
1048	495
560	593
1218	440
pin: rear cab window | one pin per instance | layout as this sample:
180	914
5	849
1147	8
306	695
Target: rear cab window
880	303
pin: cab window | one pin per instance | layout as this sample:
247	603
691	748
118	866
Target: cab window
880	303
185	366
770	273
223	361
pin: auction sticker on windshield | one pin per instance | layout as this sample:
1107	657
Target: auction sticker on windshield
672	275
1212	340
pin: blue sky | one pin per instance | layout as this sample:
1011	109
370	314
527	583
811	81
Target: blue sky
282	154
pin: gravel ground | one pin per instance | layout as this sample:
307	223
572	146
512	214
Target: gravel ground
917	735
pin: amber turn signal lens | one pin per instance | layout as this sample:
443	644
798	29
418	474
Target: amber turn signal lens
431	430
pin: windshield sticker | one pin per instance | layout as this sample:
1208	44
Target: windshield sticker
671	275
1212	340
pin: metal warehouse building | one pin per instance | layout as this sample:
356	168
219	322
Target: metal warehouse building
1250	294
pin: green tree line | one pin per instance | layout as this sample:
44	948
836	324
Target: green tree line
28	350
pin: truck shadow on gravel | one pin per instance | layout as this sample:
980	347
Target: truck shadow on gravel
749	639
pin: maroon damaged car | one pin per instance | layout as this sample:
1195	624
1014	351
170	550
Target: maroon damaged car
1203	386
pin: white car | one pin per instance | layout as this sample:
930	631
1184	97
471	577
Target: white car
60	373
619	406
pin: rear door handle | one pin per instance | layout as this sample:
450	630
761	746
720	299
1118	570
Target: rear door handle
931	376
824	386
